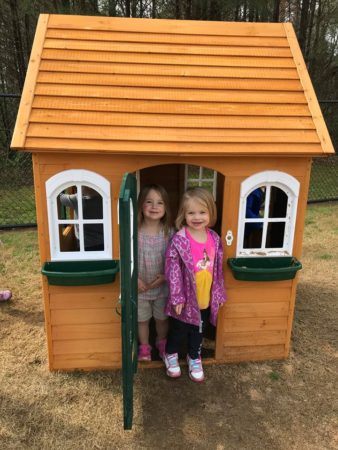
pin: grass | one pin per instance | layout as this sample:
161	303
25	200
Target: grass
326	256
263	405
274	376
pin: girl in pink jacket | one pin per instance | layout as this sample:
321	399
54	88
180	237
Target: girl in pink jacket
193	269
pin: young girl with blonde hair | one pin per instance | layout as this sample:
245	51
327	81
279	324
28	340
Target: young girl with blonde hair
193	268
154	232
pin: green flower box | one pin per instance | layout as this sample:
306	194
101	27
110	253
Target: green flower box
80	273
264	268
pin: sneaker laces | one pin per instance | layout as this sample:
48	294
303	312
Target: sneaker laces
172	360
195	364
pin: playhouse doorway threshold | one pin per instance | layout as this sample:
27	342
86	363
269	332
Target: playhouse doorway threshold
159	364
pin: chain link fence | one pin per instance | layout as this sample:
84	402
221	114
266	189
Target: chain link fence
17	205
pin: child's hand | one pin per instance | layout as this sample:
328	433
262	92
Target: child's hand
142	287
178	309
158	281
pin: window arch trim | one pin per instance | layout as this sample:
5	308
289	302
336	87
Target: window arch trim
56	184
290	186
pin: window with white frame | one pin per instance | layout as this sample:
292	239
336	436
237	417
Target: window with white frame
79	216
202	177
267	214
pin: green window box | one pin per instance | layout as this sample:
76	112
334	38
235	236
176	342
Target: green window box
80	273
265	268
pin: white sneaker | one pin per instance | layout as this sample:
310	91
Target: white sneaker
195	369
172	365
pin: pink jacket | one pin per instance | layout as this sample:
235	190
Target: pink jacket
179	272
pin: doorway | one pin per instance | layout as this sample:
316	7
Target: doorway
176	178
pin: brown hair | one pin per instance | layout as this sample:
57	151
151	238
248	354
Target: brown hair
166	219
204	197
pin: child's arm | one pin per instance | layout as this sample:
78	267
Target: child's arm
142	287
160	279
174	277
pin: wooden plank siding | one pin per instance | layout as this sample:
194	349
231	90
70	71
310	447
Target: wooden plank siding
255	321
176	87
85	327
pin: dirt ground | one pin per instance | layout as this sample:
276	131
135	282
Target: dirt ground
278	405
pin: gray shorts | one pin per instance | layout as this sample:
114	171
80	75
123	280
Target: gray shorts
151	308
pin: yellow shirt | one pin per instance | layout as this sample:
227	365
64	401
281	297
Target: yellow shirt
203	288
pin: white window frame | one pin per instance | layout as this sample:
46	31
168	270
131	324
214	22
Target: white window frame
57	184
290	186
200	179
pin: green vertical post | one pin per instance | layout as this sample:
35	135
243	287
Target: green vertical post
128	273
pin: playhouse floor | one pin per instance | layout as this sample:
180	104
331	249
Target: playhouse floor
277	405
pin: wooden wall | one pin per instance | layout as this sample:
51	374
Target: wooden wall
83	328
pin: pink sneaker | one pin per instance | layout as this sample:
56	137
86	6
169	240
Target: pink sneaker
144	352
5	295
195	369
172	365
160	345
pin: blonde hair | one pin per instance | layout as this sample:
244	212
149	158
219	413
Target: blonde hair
204	197
166	219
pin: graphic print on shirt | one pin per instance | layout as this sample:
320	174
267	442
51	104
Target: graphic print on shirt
205	262
203	256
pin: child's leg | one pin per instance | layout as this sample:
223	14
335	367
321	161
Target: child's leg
143	316
178	331
161	320
161	338
161	328
144	349
195	338
143	332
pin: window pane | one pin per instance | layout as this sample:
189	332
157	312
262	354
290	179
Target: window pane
255	203
67	204
68	238
91	203
93	237
191	184
253	235
207	173
193	171
208	185
278	202
275	235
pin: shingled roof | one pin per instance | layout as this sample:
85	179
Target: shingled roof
145	86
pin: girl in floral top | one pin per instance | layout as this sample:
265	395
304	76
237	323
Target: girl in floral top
153	235
193	268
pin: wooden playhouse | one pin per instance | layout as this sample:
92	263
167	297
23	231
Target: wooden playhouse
229	106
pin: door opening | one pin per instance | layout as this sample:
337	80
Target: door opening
175	178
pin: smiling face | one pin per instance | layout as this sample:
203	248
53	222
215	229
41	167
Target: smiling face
153	206
197	215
